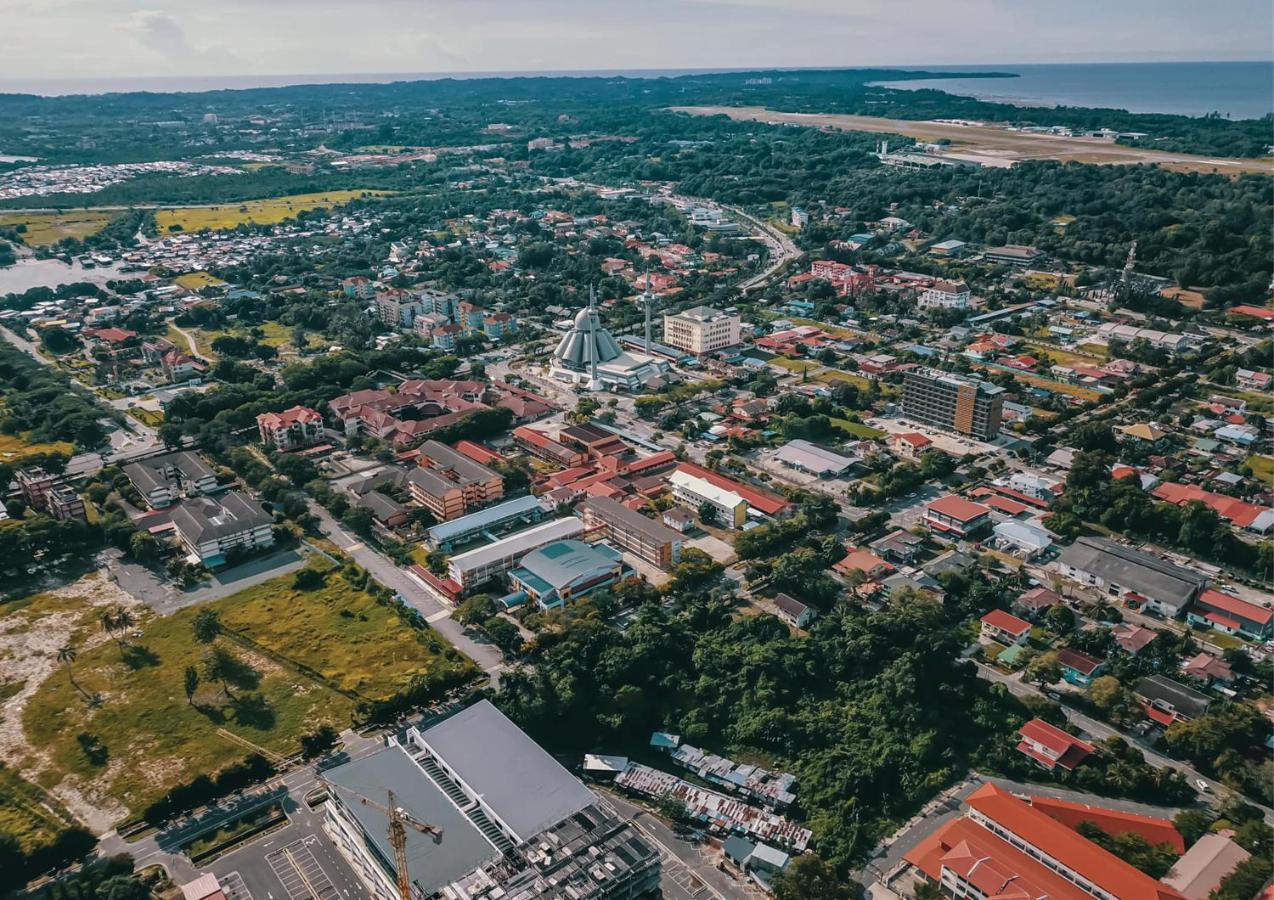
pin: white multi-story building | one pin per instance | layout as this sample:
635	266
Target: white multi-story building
945	295
693	491
701	330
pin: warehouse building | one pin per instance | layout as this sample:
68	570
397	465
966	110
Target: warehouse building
514	823
1134	576
806	457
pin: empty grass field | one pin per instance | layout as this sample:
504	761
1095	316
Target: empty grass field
1061	356
259	212
859	430
1262	468
27	813
38	229
795	365
141	735
14	449
194	281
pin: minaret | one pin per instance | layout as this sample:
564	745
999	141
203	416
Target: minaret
646	299
593	383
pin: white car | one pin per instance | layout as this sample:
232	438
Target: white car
1203	786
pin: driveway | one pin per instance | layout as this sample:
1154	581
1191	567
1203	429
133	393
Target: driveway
165	597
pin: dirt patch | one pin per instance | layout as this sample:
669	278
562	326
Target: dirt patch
30	637
995	141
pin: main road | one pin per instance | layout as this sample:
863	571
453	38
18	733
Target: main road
434	611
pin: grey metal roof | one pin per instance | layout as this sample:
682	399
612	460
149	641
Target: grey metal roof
565	562
1183	699
523	541
813	458
1134	570
483	518
202	519
630	519
515	777
463	848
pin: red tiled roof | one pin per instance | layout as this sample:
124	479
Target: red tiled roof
975	853
1112	821
1225	621
954	507
1038	598
1070	849
1005	505
1239	512
998	618
914	438
1236	607
1078	661
757	499
1163	717
477	452
1053	738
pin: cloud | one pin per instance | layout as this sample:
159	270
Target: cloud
159	31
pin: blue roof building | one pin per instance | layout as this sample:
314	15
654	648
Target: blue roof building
565	571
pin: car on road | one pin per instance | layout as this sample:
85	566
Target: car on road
1203	786
1053	695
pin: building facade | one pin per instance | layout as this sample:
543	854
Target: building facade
629	529
965	405
299	426
701	330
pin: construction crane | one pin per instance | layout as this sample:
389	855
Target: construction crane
399	819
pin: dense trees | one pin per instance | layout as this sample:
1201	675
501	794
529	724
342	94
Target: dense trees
41	405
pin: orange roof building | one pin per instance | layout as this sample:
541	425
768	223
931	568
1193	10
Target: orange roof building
1113	821
1006	849
1051	747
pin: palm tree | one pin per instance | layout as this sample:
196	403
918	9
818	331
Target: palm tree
66	656
117	620
206	626
192	684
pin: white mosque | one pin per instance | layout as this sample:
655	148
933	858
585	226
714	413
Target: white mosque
589	355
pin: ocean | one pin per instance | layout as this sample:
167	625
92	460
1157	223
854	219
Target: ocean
1238	90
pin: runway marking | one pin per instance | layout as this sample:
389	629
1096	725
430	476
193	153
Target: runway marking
300	873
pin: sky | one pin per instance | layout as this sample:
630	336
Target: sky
79	39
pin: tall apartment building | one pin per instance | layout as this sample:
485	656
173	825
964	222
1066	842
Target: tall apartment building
299	426
43	491
701	330
397	308
629	529
965	405
449	484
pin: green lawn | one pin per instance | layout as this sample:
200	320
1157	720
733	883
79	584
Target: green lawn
794	365
144	737
859	430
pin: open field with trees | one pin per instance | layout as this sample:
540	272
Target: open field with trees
36	229
250	212
128	719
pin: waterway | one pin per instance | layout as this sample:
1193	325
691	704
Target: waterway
30	272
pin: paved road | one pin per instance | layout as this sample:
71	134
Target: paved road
249	861
436	612
1101	730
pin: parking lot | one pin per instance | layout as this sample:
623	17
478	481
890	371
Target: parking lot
300	873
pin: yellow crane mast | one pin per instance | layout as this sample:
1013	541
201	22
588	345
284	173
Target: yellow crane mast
399	819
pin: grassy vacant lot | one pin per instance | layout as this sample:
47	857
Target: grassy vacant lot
193	281
150	417
29	814
141	736
14	449
859	430
794	365
50	227
1262	468
1061	356
260	212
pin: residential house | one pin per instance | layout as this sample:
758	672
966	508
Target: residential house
1208	669
1001	627
1034	603
1051	747
1167	701
1132	639
1078	668
793	611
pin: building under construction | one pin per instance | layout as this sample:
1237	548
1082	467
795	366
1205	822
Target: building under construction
511	823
